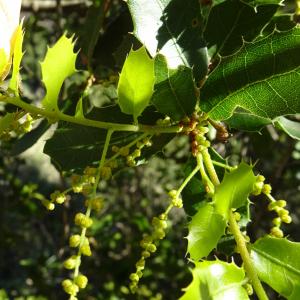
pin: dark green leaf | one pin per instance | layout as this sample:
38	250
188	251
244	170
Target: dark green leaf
73	147
205	230
175	91
91	29
234	189
255	3
216	280
262	78
243	120
277	262
280	22
233	21
6	121
174	29
30	138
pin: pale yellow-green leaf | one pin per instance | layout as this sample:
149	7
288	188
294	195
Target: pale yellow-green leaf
136	82
17	58
58	64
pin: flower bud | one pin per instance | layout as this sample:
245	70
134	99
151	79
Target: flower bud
134	277
86	250
173	194
146	254
74	240
71	262
277	232
81	281
286	219
266	189
83	221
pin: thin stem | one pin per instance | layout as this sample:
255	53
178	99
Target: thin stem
59	116
206	180
219	164
142	136
187	180
89	209
248	265
210	167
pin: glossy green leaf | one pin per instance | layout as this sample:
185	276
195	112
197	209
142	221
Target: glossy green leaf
233	21
17	58
234	189
280	22
58	64
174	29
292	128
216	280
277	262
136	82
205	230
175	91
262	78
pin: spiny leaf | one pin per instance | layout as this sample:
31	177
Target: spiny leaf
205	230
58	64
174	29
175	91
277	262
216	280
136	82
234	189
263	78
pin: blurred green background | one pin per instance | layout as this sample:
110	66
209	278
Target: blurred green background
34	242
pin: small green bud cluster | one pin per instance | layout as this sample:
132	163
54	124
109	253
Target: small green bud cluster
72	287
259	185
96	203
196	128
148	245
282	216
175	200
164	122
131	159
16	127
83	221
84	184
58	197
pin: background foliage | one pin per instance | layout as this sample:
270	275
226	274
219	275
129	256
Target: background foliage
33	241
